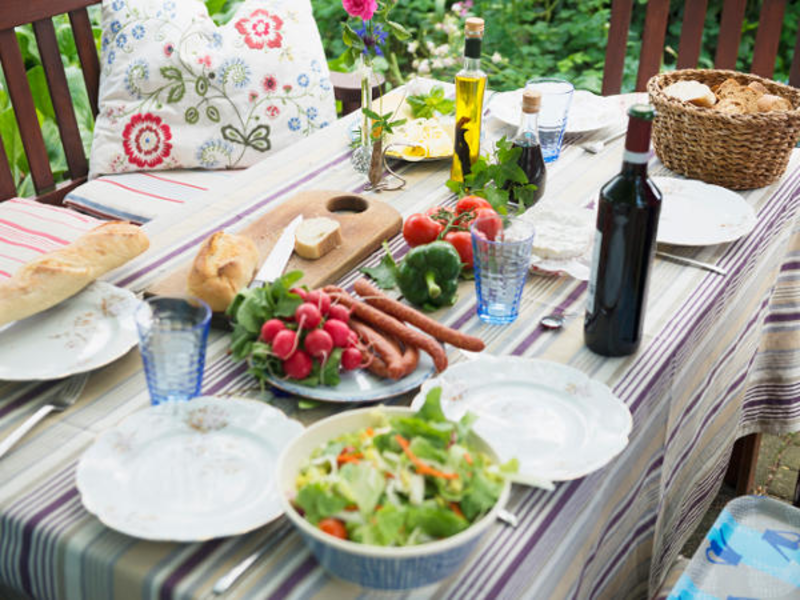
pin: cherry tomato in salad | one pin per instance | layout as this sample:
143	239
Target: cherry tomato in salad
462	242
333	527
420	229
471	203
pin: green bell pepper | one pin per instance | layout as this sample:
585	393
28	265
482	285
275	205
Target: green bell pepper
428	275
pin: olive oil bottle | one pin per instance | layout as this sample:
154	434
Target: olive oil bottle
470	86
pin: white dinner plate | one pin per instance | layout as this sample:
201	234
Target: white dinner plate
694	213
84	332
188	472
557	422
360	385
587	112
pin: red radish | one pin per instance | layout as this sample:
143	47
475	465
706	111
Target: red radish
284	344
307	315
339	312
353	339
270	329
319	344
319	299
300	292
351	359
339	332
298	365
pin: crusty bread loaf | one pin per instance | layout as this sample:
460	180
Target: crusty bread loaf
46	281
314	238
223	266
770	102
692	91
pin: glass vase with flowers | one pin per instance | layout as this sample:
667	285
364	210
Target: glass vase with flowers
366	32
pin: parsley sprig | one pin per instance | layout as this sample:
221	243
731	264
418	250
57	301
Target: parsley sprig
423	106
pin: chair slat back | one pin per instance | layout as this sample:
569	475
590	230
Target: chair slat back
768	37
730	33
39	13
694	17
62	103
653	35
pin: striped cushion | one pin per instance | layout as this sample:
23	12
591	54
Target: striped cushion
142	197
29	229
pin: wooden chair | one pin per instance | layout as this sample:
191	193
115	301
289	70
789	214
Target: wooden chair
730	30
39	13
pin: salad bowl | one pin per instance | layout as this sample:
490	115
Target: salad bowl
377	567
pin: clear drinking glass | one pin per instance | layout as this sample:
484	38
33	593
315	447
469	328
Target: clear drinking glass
172	339
502	254
556	100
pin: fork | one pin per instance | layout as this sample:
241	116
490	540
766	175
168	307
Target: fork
597	147
70	391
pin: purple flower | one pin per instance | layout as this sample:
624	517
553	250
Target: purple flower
374	41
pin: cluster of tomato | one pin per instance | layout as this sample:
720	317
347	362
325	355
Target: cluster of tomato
452	225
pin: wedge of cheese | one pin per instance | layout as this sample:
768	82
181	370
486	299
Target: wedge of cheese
316	237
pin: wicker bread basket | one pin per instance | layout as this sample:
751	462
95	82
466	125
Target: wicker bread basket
738	152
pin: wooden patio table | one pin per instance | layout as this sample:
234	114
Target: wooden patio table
720	359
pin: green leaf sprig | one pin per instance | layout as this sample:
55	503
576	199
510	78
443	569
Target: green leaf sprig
495	179
424	106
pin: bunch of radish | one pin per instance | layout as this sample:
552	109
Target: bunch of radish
312	334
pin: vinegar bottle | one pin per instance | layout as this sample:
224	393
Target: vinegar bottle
527	137
625	242
470	86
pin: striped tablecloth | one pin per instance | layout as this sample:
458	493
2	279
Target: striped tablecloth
719	360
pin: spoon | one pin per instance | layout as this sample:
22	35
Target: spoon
552	321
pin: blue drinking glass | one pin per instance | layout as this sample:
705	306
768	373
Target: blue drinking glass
173	333
556	100
502	256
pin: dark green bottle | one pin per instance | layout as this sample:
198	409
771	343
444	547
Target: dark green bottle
625	243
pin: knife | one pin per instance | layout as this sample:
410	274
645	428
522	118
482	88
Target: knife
278	257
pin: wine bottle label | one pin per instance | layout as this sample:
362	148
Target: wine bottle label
636	158
598	243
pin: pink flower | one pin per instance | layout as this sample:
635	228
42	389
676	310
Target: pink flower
205	60
169	48
146	140
270	84
261	29
360	8
253	96
272	111
287	88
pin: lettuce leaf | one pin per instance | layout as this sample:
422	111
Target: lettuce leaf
318	502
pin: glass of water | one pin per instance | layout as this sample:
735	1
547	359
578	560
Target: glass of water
556	100
172	338
502	254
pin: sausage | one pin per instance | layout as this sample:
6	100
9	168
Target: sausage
410	360
390	325
385	350
378	299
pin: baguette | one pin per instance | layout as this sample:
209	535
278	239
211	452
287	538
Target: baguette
54	277
224	265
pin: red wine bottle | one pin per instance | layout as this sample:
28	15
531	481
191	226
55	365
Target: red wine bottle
625	242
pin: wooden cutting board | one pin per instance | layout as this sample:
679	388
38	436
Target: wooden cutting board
365	222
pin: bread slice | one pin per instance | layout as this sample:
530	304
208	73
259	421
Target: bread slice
731	106
316	237
692	91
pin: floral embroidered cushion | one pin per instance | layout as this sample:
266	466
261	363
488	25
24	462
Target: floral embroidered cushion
177	91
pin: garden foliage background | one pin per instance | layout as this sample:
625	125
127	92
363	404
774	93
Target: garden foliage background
524	38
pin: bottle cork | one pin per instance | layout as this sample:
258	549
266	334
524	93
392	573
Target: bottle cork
531	101
474	27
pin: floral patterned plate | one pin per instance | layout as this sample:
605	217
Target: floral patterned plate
559	423
86	331
188	472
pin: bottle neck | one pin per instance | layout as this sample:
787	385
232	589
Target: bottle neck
637	147
472	54
528	130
